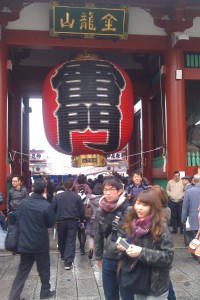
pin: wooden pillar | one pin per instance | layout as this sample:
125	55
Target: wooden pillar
176	111
25	144
3	112
147	141
15	132
130	154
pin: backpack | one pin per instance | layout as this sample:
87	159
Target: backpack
82	193
88	209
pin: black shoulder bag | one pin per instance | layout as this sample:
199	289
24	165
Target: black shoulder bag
135	276
11	240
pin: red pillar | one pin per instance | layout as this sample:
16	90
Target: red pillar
176	112
3	113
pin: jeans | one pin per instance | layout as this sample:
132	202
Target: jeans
12	217
3	223
110	280
190	235
171	294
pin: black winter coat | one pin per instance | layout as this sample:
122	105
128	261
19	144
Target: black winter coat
158	254
105	241
68	205
35	216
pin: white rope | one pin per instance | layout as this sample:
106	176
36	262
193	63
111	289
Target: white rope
135	163
21	161
155	149
12	157
21	153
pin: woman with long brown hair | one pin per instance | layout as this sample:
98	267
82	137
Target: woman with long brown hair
145	269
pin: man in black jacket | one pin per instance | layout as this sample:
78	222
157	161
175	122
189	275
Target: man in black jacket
14	198
35	216
69	208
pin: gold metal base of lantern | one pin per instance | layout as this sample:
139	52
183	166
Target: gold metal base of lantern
87	160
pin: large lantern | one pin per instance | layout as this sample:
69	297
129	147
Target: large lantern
88	109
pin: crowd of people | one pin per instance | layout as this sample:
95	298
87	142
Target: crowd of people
184	202
102	211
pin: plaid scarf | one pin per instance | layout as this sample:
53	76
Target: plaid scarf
141	227
108	206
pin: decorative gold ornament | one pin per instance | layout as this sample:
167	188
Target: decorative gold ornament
87	160
86	54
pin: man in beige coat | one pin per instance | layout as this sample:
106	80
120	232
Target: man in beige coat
175	192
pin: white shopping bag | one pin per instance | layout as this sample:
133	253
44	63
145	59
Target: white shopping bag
3	234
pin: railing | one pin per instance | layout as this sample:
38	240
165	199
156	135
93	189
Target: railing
193	158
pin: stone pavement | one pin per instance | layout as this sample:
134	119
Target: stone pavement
83	281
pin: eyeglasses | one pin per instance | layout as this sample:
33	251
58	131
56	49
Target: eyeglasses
109	190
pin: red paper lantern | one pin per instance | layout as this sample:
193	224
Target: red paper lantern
88	107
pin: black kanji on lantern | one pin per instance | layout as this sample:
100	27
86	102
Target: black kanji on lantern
88	93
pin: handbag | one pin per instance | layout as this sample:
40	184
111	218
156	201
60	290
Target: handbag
135	276
11	240
3	234
194	247
88	210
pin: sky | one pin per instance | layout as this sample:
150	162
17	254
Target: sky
38	139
